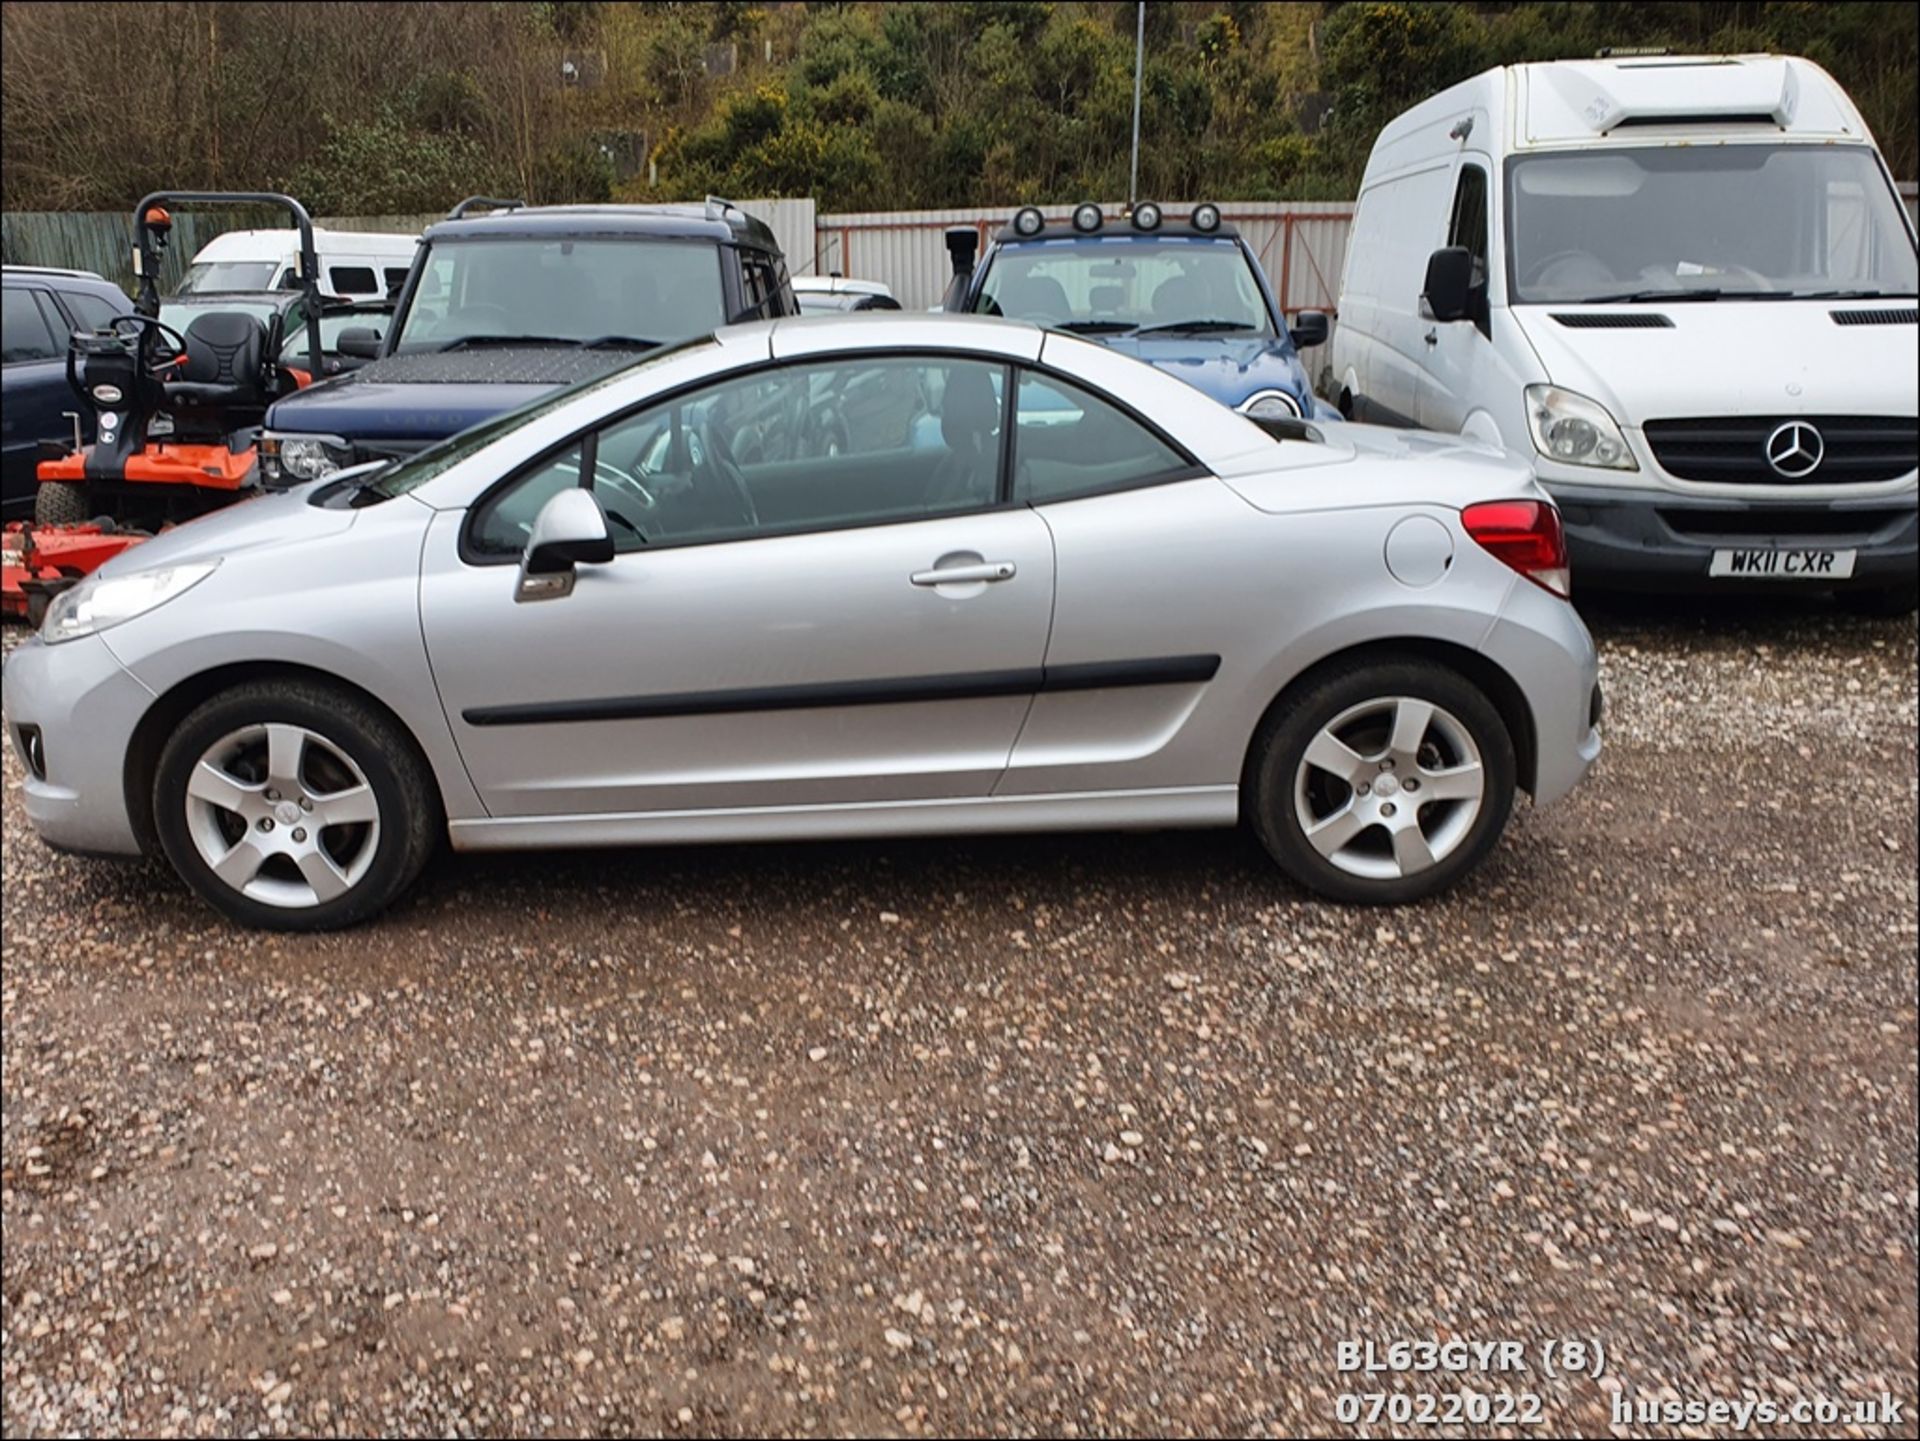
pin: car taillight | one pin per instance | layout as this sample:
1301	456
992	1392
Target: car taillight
1524	534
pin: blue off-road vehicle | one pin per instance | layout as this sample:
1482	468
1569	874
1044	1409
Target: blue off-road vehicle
502	306
1188	297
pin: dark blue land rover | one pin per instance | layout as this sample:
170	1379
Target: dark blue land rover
1188	297
500	307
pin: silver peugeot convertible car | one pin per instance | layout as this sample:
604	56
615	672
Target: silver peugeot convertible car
857	576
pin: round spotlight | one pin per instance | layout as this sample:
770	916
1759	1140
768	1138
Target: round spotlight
1206	217
1028	221
1146	216
1087	218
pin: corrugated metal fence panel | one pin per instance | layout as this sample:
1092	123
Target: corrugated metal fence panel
1301	245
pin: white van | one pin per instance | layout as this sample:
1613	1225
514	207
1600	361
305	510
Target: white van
354	265
1683	287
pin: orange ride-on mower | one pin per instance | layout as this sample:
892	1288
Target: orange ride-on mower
178	414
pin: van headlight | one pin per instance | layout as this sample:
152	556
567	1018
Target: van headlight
107	600
1270	405
302	457
1573	430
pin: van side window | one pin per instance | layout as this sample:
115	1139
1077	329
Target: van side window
1468	228
353	280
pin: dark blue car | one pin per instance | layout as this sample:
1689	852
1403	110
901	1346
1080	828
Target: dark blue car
1186	296
43	308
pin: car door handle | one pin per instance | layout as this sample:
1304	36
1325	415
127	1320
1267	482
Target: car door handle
1433	337
965	574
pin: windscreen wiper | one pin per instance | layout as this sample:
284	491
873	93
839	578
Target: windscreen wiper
1641	297
1096	327
619	342
1197	326
1850	295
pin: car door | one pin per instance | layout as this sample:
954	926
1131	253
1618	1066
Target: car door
1142	537
34	372
1460	352
798	614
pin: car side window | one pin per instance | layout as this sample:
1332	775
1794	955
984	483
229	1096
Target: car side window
90	311
821	445
1068	442
27	333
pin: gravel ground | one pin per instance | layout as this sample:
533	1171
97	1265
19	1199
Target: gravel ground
1062	1135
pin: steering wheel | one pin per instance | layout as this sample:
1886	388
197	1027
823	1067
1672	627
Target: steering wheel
614	478
147	325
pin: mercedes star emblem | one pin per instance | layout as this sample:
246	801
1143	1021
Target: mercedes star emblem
1794	449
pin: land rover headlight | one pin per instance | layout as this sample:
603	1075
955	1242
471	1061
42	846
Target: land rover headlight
302	457
1573	430
104	601
1270	405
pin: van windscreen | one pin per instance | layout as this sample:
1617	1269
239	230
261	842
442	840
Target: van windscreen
1700	222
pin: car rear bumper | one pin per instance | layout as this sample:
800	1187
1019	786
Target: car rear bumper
1639	540
80	706
1540	641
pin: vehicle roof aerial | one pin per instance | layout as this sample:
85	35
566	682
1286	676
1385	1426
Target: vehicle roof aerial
715	221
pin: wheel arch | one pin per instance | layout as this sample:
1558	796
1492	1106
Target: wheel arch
1499	687
174	705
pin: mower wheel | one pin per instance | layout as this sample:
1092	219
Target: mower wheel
61	502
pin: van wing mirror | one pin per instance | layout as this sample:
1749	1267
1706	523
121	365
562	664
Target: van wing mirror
359	341
570	530
1309	328
1448	293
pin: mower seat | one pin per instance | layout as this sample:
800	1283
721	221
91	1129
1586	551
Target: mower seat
223	366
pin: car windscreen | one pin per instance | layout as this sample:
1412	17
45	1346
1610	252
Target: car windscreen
563	289
179	317
1702	221
1120	283
214	275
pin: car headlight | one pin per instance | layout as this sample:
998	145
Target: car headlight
1574	430
303	457
1270	405
104	601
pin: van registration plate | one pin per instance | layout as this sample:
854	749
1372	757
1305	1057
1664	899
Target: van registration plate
1813	565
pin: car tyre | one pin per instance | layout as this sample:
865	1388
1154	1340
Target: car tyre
61	502
295	805
1885	604
1358	831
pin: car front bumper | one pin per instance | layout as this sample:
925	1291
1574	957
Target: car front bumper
85	706
1636	539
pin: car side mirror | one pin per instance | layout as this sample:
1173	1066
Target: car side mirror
1448	293
359	341
1309	328
570	530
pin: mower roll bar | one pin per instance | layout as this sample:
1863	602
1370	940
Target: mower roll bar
148	241
476	202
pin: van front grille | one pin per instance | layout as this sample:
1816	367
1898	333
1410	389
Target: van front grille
1733	450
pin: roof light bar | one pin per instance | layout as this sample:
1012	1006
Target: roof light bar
1146	216
1087	218
1206	217
1028	220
